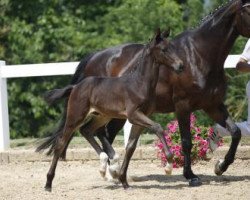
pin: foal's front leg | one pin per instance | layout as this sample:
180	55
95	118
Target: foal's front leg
130	148
220	115
141	120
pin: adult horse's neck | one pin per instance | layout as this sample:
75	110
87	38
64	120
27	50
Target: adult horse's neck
216	35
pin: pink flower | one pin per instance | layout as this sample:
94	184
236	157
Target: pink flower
173	140
192	118
172	127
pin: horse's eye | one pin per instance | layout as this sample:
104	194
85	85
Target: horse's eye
164	50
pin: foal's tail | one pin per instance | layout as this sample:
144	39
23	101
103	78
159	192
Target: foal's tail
54	95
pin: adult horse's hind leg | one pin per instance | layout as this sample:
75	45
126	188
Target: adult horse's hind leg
88	131
220	115
112	129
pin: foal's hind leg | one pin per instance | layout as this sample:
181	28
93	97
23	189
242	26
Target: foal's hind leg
60	145
220	115
140	119
75	117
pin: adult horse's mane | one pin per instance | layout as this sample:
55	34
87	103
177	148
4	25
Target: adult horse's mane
219	10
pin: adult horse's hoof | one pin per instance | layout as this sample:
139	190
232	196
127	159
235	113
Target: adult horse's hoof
114	167
194	182
217	169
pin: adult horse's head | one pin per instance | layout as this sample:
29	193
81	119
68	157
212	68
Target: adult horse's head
243	18
164	51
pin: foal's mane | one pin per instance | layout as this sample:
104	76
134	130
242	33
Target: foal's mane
131	70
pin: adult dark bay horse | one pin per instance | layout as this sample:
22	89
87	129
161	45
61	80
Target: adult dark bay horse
201	86
127	97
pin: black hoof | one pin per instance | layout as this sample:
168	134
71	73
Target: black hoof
125	184
48	189
194	182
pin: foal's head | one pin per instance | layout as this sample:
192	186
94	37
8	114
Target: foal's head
164	51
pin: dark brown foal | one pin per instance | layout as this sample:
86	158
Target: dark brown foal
129	96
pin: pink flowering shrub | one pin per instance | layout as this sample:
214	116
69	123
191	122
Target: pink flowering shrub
173	139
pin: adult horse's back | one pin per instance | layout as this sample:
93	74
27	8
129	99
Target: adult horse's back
201	85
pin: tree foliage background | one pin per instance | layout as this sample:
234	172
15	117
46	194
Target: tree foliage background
44	31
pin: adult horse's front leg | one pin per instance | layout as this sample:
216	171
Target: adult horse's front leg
186	141
220	115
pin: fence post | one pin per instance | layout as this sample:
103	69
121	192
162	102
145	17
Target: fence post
126	130
4	116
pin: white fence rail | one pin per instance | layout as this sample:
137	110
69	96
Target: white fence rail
49	69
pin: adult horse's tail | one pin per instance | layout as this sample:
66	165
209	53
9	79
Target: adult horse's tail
57	94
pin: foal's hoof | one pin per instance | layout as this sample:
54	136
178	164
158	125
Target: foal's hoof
125	186
194	182
217	169
48	189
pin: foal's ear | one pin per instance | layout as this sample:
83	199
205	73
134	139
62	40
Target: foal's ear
166	33
157	37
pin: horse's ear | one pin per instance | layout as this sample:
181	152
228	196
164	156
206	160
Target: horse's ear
157	37
166	33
